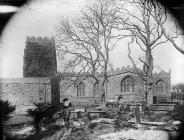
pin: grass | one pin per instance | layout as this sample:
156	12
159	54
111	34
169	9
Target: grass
19	120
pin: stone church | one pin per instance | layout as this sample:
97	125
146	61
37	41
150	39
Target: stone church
123	82
40	61
39	82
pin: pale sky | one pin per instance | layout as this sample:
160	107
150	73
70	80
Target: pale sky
41	19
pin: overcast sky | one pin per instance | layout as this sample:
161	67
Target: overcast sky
41	19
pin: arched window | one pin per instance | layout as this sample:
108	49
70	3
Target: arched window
127	84
160	86
95	89
81	89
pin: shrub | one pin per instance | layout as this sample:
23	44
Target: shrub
178	114
37	115
41	111
6	109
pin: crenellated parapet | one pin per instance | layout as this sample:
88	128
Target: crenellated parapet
133	70
122	70
109	73
45	41
162	74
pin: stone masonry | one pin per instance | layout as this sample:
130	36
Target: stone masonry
39	57
40	83
113	87
23	92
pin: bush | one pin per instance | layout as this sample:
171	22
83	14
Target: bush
178	114
6	109
41	111
37	115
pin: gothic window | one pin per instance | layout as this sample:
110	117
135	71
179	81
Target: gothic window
95	89
81	89
160	86
127	84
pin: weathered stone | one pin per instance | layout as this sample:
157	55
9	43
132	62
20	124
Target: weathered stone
39	57
23	92
114	89
177	123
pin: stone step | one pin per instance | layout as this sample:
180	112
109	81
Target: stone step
164	107
159	112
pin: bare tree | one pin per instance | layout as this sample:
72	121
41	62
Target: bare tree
145	21
85	42
165	32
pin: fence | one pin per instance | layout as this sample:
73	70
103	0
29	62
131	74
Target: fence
177	97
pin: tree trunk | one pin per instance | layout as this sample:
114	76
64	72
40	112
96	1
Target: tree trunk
103	97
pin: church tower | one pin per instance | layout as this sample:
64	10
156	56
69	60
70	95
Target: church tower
39	57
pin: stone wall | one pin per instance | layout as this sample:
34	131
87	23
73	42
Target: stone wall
113	87
116	76
69	90
23	92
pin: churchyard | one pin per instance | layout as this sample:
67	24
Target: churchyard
108	122
102	75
